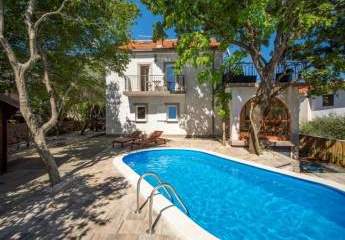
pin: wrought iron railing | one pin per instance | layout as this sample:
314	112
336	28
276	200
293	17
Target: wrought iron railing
246	73
154	83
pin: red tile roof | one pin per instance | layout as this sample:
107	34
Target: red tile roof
303	89
148	45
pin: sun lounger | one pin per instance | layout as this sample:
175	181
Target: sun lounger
153	138
127	139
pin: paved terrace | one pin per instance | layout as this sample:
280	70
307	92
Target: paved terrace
96	202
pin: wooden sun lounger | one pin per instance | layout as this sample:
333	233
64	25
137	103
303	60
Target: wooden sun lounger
127	139
153	138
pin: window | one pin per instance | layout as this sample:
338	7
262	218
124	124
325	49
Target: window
141	113
172	112
144	77
170	76
328	100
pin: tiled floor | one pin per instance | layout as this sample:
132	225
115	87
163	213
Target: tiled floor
96	202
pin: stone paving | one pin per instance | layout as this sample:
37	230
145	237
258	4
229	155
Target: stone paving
95	201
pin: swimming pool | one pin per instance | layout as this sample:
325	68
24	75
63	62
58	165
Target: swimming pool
233	200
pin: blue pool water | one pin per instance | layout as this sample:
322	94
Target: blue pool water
237	201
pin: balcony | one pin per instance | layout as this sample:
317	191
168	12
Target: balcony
154	85
246	73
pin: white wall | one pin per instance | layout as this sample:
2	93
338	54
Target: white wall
305	110
339	105
241	94
312	108
195	106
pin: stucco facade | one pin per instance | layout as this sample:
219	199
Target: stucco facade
194	103
133	104
313	107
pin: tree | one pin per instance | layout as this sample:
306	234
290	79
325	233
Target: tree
323	51
251	26
86	101
222	103
55	34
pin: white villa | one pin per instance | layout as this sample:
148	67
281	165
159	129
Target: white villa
150	96
319	106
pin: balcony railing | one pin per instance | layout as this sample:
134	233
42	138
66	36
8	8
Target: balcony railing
154	83
246	73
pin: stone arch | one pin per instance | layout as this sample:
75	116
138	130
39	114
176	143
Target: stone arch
276	125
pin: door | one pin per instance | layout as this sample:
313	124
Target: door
144	77
170	77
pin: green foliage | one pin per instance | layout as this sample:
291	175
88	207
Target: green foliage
323	81
233	63
249	25
87	92
194	49
222	104
332	126
232	22
81	44
323	51
158	32
223	97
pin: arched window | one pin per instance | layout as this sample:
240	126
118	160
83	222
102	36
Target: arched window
276	125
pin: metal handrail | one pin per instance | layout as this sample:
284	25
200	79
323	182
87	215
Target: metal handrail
246	72
152	174
172	190
154	83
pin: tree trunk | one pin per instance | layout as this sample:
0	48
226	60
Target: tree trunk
86	124
37	133
255	117
46	157
224	132
20	71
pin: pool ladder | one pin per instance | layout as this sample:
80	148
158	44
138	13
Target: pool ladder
168	188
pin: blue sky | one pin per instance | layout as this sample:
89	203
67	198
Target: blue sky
143	27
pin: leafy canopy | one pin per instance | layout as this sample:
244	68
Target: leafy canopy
80	43
251	25
323	50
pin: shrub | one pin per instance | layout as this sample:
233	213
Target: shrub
331	126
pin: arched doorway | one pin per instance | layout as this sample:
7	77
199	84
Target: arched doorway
276	125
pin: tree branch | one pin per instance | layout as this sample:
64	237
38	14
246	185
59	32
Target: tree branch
49	14
46	81
33	29
283	35
280	46
258	60
61	103
241	45
32	34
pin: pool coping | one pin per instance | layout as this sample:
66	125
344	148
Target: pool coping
181	224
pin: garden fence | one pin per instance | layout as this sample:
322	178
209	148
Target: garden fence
323	149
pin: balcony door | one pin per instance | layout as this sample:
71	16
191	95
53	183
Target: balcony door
144	77
170	76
